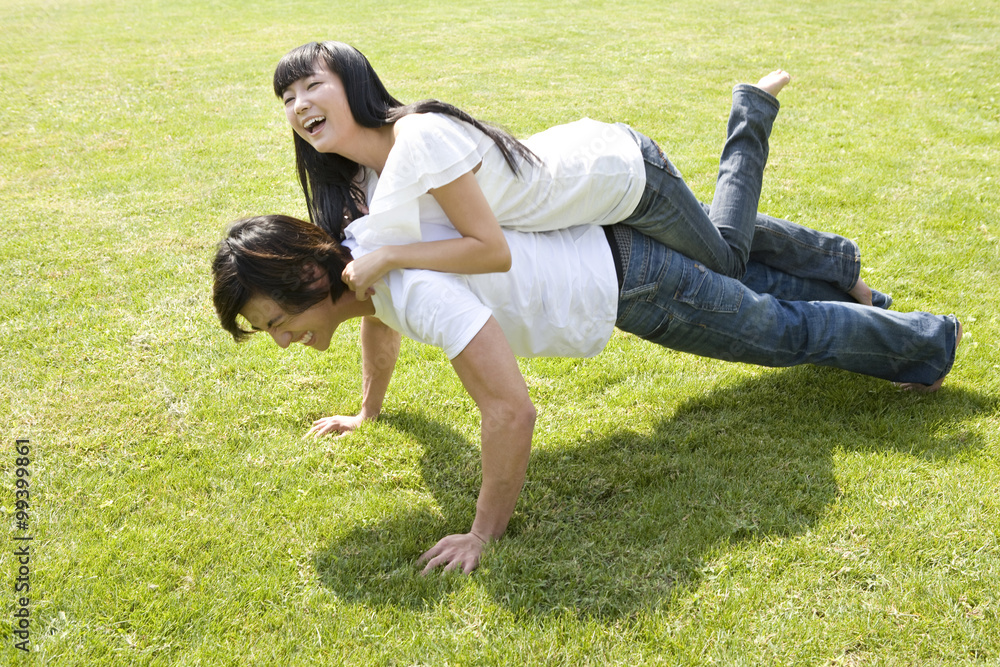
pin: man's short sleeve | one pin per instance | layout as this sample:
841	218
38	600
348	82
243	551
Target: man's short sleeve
430	307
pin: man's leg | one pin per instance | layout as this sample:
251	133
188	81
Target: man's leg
678	303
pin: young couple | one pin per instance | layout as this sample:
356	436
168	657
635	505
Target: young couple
451	232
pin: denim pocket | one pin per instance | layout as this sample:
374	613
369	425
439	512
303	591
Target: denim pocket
704	289
630	299
641	292
660	164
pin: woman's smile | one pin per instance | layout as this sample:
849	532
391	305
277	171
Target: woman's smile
314	125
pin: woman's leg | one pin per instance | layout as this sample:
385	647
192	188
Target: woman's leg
741	165
724	235
765	279
720	235
807	253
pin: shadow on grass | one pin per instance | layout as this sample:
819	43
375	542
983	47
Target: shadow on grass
619	522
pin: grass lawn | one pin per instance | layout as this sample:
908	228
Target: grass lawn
677	510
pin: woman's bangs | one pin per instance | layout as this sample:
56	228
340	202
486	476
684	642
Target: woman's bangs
295	65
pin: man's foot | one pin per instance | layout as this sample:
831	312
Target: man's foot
929	388
861	293
774	82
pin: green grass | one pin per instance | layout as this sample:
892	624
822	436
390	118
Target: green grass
677	510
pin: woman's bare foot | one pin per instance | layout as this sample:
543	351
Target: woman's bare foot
861	292
774	82
929	388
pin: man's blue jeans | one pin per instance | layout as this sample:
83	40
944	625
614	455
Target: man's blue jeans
730	232
772	319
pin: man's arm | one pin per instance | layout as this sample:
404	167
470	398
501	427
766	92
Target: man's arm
490	374
379	352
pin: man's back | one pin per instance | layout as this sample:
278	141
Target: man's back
560	297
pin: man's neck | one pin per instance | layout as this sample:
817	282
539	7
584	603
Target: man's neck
349	307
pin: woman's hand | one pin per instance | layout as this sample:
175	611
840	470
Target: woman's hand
362	273
454	551
339	424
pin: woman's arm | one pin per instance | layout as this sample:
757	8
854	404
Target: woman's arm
482	248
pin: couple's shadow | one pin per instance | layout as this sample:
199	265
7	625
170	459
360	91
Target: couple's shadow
615	522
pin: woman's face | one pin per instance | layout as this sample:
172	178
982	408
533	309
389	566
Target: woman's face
317	109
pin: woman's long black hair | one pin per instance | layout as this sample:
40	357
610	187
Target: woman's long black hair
331	182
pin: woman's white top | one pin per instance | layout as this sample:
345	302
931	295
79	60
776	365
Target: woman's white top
591	173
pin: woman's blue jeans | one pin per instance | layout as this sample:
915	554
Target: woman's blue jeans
772	319
730	232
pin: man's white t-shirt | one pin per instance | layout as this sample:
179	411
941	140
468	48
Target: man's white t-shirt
559	299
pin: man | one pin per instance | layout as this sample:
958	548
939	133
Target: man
564	294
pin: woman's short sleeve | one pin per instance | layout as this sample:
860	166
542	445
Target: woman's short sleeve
431	150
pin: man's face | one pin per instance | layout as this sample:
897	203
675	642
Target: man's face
313	327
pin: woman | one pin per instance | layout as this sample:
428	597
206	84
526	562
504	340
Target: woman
359	150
